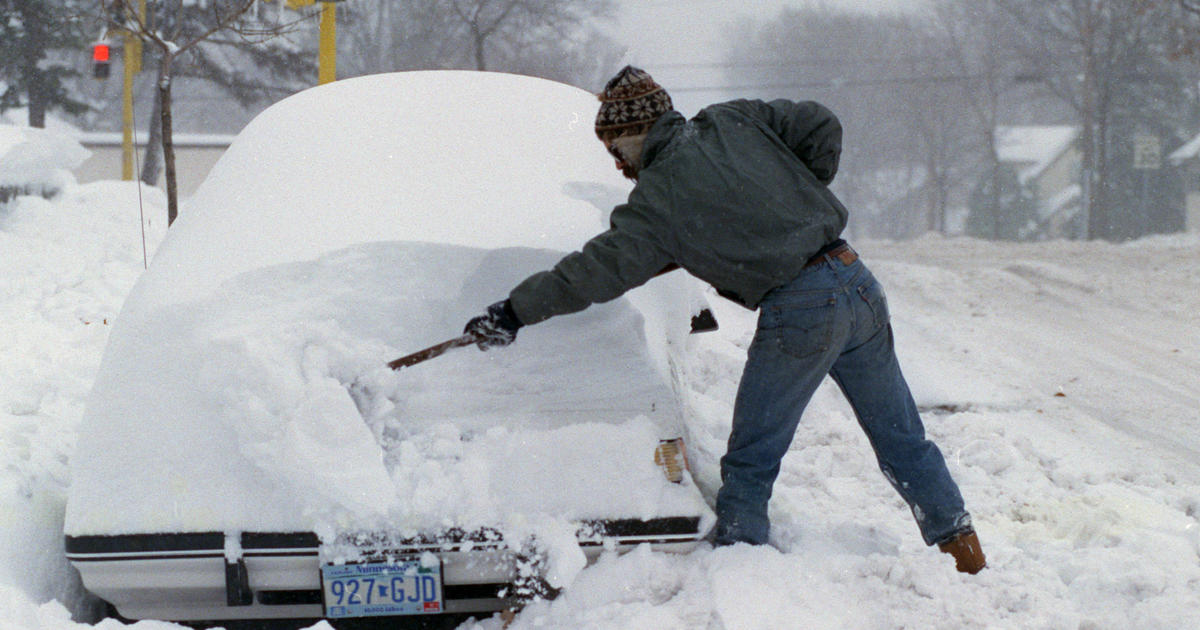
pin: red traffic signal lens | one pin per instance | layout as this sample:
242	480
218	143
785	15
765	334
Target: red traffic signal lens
100	52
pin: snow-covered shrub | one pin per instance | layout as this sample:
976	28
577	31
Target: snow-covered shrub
36	161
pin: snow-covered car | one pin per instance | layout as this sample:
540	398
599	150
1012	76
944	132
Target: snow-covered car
246	453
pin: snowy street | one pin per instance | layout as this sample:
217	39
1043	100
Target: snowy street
427	340
1060	380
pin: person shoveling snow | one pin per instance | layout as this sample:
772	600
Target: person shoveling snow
738	196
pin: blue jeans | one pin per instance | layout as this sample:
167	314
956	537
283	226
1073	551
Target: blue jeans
832	319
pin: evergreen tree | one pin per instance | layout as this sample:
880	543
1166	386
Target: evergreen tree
36	37
1009	213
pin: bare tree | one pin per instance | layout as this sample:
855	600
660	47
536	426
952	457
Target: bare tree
938	115
553	39
896	94
513	21
391	36
976	38
1105	58
922	97
171	38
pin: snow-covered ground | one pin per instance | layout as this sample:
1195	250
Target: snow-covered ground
66	266
1062	380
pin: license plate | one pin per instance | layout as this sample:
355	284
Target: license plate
407	586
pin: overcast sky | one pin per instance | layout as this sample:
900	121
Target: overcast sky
677	41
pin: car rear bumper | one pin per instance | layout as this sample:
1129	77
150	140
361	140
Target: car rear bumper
213	576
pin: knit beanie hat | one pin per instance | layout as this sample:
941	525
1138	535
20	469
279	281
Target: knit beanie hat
630	100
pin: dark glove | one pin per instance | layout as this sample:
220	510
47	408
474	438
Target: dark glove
497	327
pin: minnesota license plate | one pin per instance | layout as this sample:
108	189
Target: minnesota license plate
407	586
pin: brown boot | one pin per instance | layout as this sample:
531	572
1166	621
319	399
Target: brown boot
968	554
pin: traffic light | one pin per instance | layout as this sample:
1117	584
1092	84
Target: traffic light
100	52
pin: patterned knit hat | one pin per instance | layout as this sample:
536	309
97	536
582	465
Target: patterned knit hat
630	100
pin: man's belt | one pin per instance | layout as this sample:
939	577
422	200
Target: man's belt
842	253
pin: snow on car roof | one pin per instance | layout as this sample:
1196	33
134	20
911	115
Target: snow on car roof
467	158
346	225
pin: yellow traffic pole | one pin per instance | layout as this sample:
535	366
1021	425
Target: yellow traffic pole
327	49
127	114
131	64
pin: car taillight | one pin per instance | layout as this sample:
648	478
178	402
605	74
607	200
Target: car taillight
671	456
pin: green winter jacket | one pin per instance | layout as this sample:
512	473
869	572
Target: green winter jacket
738	196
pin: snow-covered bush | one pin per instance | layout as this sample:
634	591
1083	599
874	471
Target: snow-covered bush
36	161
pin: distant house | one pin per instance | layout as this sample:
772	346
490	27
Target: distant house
195	155
1048	163
1187	159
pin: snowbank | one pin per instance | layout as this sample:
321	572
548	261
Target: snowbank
66	266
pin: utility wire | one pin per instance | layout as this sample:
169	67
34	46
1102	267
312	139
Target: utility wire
137	180
807	61
830	83
1028	78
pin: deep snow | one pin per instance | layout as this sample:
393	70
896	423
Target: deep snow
66	266
1060	379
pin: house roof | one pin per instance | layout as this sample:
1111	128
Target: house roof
1187	151
1033	148
1066	203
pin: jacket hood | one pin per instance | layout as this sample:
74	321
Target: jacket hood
660	135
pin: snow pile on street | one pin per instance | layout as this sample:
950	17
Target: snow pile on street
37	161
283	290
66	266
